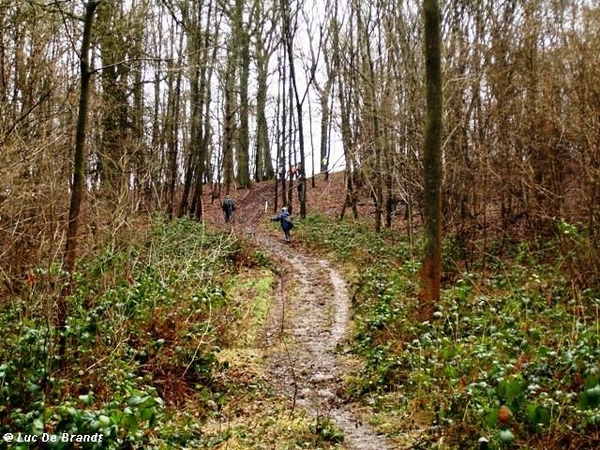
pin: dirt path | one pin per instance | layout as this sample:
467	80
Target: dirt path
310	318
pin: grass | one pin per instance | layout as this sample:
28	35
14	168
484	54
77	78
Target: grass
514	333
252	291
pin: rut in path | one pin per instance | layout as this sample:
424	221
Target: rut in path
312	308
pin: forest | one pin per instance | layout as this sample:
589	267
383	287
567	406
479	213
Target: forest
441	159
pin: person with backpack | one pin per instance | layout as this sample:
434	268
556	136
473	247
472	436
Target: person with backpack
228	208
285	220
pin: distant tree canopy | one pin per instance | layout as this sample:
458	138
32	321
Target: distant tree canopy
191	92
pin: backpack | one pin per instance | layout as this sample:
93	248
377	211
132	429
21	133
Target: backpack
228	204
289	220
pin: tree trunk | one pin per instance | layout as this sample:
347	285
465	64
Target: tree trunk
281	160
325	120
243	154
263	165
229	127
432	162
289	42
172	127
193	155
78	173
113	46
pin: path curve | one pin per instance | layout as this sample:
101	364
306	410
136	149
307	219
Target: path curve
310	318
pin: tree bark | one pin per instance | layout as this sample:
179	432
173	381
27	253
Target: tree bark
432	162
263	164
243	41
78	173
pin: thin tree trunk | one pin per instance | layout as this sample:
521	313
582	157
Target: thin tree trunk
172	127
263	166
192	160
229	127
281	164
325	118
243	159
78	173
288	37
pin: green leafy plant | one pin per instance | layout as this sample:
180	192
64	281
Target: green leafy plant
513	334
146	321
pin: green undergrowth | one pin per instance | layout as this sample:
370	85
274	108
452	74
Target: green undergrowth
514	332
162	347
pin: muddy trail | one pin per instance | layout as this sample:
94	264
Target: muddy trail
309	321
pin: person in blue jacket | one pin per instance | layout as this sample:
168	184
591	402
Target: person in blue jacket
285	219
228	208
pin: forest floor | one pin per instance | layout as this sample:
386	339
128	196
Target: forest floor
212	335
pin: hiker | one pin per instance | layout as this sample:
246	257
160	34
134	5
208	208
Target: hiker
295	171
285	219
228	208
300	189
